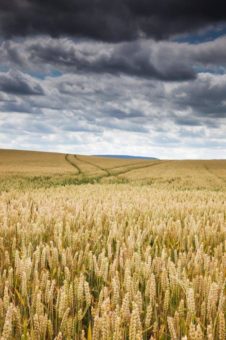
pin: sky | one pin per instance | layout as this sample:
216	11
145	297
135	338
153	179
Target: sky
133	77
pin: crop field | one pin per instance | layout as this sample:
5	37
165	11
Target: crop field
111	249
26	169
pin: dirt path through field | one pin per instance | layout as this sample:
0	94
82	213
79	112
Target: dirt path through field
79	171
109	173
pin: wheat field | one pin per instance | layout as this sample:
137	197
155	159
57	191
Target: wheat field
110	249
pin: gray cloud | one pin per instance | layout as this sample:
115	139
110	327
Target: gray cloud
117	99
166	61
142	95
135	59
150	121
188	121
194	103
19	84
206	96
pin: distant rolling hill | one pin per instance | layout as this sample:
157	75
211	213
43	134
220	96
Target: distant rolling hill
44	168
125	157
50	163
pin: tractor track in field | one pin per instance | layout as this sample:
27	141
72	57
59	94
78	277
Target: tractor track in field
79	171
130	164
140	167
213	174
108	173
95	165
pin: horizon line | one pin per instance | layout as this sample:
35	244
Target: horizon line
114	155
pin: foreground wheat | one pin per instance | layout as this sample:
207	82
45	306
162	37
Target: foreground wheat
112	262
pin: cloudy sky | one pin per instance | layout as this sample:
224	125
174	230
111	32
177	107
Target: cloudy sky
138	77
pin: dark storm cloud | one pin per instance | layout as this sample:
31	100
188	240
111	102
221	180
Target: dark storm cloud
206	97
16	83
135	59
166	61
108	20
